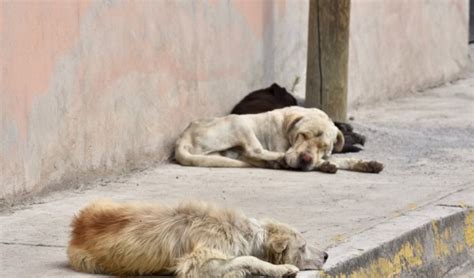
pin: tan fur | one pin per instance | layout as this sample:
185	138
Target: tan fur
291	137
193	239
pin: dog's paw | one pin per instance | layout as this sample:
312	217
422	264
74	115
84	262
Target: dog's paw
362	139
328	167
374	166
286	270
353	138
278	164
369	167
359	138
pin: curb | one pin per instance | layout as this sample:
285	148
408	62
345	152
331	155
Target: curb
425	243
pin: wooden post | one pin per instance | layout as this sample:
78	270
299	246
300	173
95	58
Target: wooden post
328	49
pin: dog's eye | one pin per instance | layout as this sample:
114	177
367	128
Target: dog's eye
305	135
318	134
303	248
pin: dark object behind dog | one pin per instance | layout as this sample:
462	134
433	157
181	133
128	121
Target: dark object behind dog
275	97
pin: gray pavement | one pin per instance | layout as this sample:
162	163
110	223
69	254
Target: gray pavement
425	141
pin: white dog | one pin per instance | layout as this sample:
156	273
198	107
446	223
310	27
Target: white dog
192	240
291	137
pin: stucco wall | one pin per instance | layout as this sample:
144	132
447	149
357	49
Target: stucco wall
90	88
398	46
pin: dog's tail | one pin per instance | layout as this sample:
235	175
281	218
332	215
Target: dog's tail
184	156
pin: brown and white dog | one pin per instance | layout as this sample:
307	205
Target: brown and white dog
194	239
291	137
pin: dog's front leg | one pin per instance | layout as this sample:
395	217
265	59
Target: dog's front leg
259	153
253	265
357	165
272	164
205	262
326	167
254	151
202	262
267	159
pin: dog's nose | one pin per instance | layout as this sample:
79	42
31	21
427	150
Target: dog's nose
305	159
326	256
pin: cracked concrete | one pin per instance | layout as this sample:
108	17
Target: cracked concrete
425	140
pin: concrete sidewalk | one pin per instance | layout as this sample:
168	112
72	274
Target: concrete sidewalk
425	141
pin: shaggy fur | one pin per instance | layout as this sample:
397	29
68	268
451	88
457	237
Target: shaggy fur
193	239
275	97
291	137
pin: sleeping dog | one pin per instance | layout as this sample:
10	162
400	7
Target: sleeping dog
275	97
193	239
291	137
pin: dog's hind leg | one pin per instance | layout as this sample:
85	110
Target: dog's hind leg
81	260
357	165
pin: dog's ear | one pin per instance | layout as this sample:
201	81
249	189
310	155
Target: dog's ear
339	141
275	86
276	90
290	122
278	243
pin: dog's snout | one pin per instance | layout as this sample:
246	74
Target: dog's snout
325	257
305	160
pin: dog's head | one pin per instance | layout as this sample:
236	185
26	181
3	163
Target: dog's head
285	245
282	96
312	136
